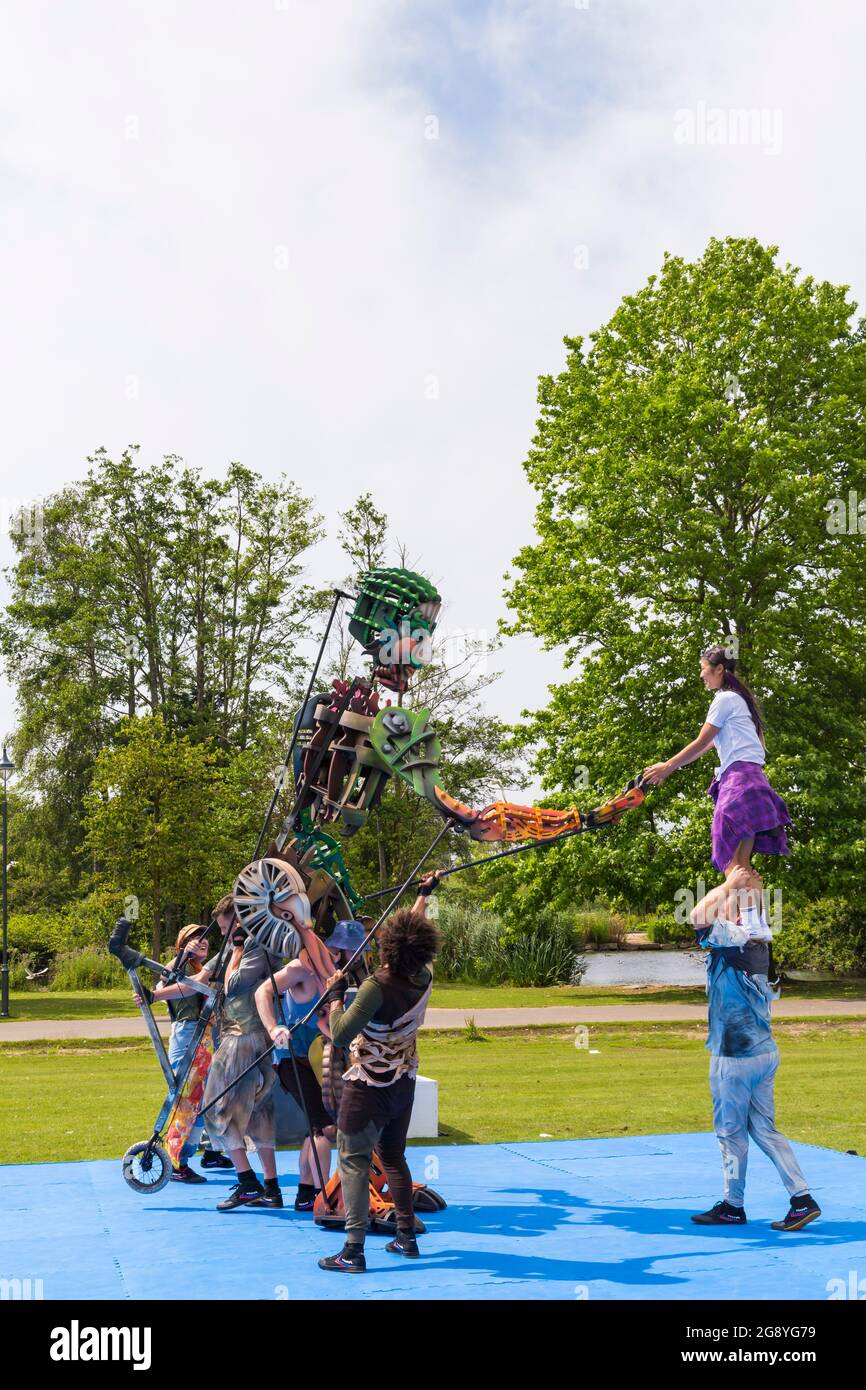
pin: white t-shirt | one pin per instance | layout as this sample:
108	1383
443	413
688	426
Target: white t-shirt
737	740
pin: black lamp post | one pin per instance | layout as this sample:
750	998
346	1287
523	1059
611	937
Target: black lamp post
6	766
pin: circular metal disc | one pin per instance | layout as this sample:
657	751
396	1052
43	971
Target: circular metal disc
258	887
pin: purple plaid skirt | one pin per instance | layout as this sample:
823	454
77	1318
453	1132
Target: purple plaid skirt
746	806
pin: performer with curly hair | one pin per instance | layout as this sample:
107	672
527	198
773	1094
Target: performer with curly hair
380	1029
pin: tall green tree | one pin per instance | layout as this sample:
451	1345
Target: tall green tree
164	820
686	461
153	590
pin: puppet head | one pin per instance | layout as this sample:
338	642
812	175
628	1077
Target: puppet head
271	905
394	619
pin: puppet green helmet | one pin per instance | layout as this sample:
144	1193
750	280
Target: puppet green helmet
394	619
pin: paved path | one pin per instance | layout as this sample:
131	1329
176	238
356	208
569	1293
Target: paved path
133	1027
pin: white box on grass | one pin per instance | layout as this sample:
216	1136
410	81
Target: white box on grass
424	1123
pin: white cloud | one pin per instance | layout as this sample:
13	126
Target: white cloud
237	206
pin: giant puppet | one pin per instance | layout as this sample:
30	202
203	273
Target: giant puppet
348	742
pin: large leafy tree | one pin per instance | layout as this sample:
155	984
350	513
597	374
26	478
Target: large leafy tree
164	819
686	461
153	591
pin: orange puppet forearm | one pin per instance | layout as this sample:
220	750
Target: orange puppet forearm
505	820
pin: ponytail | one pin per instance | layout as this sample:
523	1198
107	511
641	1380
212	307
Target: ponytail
717	656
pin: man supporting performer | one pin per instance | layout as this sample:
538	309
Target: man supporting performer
380	1029
730	924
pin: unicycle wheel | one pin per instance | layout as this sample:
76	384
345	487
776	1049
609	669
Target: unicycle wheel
146	1167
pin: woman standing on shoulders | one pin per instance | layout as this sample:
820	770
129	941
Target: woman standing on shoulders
750	817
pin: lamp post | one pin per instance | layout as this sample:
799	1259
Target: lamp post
6	766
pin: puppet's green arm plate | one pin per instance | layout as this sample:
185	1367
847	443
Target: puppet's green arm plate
408	747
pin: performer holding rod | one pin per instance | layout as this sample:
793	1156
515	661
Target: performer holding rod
184	1015
298	985
380	1029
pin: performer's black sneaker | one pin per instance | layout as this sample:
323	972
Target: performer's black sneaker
212	1158
184	1173
803	1210
305	1198
349	1261
722	1214
243	1194
272	1196
404	1243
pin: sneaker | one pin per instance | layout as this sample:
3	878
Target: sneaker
272	1196
242	1195
212	1158
305	1200
349	1261
183	1173
404	1243
803	1210
722	1214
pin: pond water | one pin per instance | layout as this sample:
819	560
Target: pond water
644	968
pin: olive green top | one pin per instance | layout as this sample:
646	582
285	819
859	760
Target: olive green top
186	1008
239	1015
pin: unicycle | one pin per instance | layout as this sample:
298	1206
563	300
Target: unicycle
146	1166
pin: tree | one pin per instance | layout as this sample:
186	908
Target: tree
364	535
163	820
153	590
686	461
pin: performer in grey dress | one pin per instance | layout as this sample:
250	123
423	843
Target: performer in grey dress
247	1109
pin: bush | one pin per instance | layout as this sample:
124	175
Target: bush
539	960
87	969
79	925
33	932
470	938
22	970
593	928
476	950
664	929
829	934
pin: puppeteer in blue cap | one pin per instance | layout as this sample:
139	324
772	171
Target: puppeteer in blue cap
347	936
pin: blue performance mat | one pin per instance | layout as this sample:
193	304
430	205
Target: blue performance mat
590	1218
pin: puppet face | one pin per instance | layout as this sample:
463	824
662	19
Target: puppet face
271	904
394	619
295	908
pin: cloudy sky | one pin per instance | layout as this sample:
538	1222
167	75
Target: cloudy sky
342	240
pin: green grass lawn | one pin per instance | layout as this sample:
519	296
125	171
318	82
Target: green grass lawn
459	996
28	1005
91	1100
117	1003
